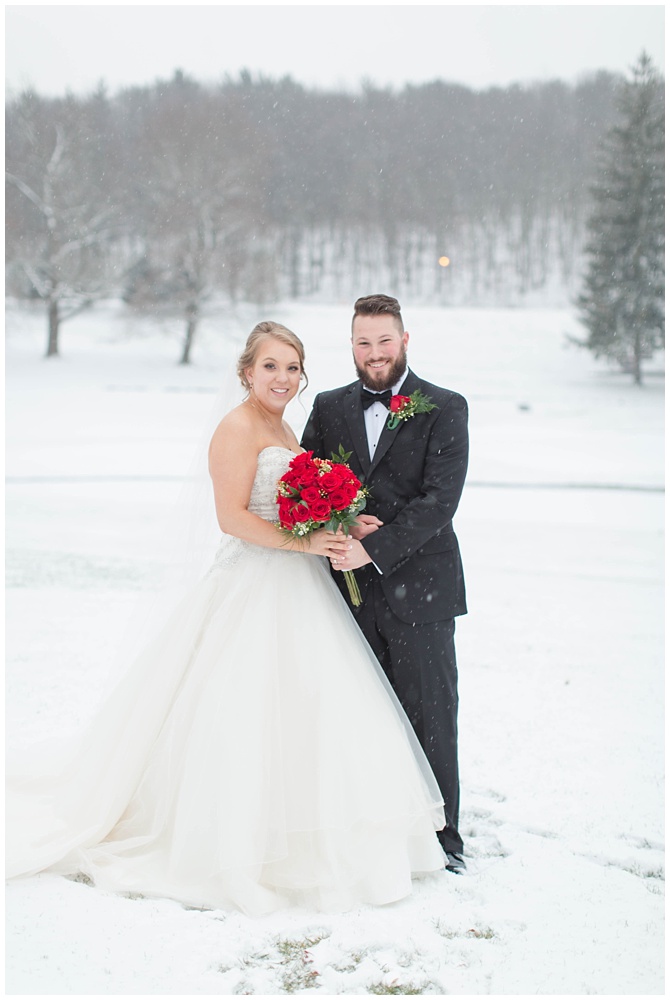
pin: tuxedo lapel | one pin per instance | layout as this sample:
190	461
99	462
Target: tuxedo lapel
387	436
353	414
386	439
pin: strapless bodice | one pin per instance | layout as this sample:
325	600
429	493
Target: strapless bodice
273	462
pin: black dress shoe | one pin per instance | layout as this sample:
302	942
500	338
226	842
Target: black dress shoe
455	863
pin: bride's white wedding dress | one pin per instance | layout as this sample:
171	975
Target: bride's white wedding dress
253	756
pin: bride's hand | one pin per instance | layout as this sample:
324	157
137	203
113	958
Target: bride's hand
325	543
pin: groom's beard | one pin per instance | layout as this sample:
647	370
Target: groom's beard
386	379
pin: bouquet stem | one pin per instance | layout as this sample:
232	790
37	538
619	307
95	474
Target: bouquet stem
352	587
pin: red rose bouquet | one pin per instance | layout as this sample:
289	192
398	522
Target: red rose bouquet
317	493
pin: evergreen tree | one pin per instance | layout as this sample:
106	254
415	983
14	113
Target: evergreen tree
622	303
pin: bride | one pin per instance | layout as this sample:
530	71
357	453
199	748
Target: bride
254	755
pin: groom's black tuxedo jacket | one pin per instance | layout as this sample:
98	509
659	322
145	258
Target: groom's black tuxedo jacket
415	479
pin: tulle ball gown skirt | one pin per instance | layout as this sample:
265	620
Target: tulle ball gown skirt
252	757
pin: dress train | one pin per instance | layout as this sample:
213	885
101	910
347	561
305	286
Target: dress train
253	756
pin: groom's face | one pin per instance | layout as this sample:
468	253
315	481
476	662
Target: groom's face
379	348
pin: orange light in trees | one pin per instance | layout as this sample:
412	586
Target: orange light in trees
444	262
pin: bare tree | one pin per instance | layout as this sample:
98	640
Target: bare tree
198	200
60	215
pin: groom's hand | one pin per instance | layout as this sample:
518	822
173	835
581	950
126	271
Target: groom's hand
367	523
353	558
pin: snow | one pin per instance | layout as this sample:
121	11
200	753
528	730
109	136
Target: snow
561	671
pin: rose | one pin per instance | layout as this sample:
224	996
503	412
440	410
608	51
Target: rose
342	472
320	510
348	491
301	470
286	489
350	488
398	403
340	478
302	460
329	481
310	494
340	499
285	516
300	513
290	479
307	477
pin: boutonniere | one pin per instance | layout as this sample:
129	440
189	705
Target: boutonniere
404	407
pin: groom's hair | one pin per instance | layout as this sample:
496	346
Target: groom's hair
378	305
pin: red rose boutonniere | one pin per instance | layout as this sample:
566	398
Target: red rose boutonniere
404	407
316	493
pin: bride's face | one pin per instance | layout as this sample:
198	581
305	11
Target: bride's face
275	374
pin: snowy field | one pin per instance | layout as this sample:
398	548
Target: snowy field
560	658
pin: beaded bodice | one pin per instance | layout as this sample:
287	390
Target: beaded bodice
272	464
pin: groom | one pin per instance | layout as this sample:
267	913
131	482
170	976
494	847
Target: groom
405	551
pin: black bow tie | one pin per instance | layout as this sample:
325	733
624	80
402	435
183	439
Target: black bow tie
375	397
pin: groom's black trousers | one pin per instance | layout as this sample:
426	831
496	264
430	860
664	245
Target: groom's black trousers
420	663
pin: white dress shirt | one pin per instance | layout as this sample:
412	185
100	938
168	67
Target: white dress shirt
377	415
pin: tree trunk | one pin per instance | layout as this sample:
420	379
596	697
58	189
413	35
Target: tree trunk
637	357
54	325
191	324
294	263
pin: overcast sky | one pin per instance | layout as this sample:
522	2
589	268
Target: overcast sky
73	47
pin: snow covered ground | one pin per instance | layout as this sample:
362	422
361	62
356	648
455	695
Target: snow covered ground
560	659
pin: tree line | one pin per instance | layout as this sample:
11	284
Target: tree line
171	194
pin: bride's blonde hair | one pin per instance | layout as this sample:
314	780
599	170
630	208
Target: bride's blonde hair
268	330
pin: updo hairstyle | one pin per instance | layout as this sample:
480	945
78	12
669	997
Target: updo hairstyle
267	330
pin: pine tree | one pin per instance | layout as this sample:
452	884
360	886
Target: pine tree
622	301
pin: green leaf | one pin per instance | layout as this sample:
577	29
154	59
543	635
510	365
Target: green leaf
341	455
422	404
